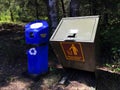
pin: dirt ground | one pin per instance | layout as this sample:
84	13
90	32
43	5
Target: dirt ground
13	78
13	64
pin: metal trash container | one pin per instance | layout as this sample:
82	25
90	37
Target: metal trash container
36	35
74	42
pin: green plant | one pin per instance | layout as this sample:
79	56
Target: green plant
114	65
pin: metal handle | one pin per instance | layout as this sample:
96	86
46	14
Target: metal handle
72	36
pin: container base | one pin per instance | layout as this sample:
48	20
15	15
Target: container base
34	77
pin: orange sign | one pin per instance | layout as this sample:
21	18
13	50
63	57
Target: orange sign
72	51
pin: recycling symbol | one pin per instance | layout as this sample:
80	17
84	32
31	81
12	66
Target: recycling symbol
32	51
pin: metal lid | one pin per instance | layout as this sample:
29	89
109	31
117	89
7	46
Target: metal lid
36	25
79	29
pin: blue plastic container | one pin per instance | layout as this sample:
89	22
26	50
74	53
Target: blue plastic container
38	60
36	32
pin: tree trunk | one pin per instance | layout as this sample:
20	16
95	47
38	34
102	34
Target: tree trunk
53	15
106	6
90	8
63	8
11	12
94	6
11	15
36	9
74	8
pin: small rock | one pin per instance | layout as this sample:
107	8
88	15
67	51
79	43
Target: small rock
74	85
43	87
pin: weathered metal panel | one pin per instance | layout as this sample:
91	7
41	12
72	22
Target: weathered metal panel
89	63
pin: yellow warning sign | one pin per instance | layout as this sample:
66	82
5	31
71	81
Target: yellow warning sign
72	51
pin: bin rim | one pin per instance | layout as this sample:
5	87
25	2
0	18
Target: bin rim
44	24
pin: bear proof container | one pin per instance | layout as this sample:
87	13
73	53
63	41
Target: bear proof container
36	32
75	42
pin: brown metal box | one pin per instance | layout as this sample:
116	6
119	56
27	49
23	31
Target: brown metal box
74	42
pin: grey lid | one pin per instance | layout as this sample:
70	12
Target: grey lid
79	29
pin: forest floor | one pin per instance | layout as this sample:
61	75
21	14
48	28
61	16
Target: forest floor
13	64
13	78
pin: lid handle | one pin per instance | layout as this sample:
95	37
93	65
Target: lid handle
72	36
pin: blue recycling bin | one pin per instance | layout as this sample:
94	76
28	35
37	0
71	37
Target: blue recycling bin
36	32
38	60
36	35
